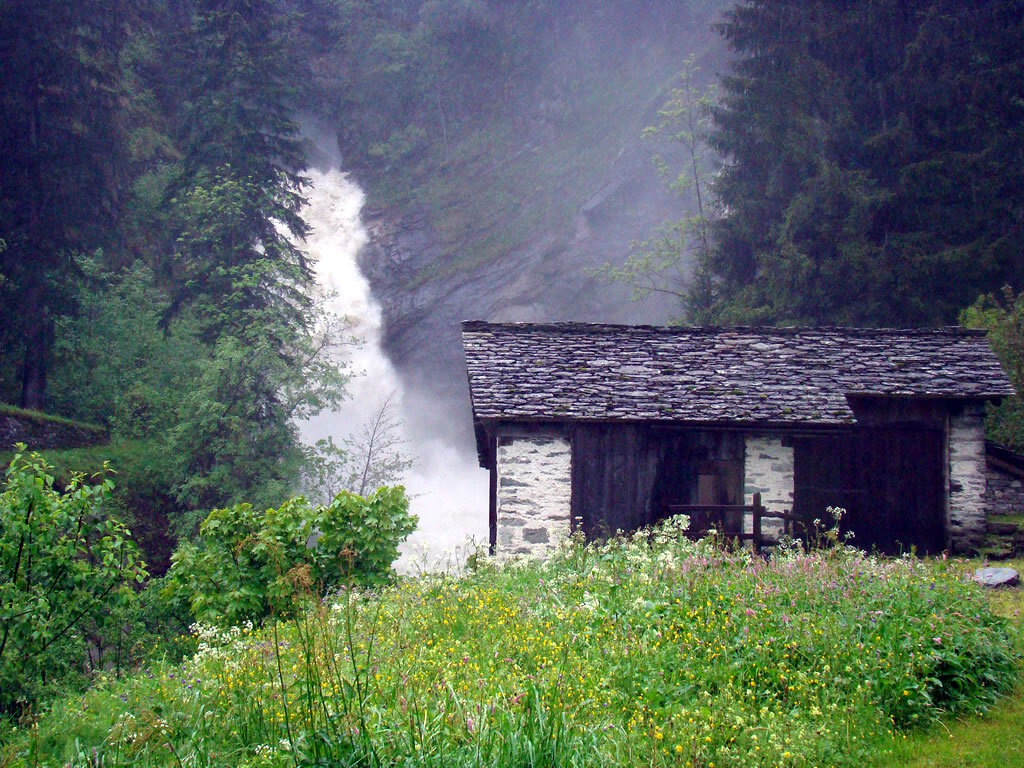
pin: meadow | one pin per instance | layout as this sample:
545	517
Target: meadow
652	650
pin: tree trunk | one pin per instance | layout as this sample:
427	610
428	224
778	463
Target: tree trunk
36	319
38	335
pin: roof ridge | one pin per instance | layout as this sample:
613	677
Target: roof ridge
591	327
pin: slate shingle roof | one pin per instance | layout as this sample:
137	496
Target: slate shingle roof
583	372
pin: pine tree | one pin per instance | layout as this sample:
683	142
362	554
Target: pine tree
237	266
238	200
60	179
871	151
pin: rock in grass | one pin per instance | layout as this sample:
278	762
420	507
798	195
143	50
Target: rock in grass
997	577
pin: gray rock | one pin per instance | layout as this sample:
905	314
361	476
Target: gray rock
536	535
997	577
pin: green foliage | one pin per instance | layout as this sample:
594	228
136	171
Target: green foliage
1003	318
985	742
247	565
143	497
237	265
113	365
890	174
65	569
62	136
234	438
119	141
235	435
653	650
237	204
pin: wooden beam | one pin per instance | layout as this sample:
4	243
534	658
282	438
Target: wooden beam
758	510
1004	466
492	513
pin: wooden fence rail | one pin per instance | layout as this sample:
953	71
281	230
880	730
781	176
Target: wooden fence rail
716	516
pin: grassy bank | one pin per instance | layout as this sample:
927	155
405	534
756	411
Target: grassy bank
966	741
654	651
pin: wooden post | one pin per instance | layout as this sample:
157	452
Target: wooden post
758	509
492	513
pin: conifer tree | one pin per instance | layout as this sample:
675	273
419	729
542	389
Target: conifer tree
237	264
60	140
872	160
239	197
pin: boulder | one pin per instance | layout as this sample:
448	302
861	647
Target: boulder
997	577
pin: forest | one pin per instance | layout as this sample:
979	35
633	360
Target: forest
836	164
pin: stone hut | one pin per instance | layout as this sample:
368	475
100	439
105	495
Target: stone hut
602	428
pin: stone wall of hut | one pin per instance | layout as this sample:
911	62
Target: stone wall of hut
534	491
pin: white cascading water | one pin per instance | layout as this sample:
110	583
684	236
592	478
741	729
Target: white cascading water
448	490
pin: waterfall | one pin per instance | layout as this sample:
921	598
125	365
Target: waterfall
448	490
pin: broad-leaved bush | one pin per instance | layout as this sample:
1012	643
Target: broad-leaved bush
248	564
66	568
1003	317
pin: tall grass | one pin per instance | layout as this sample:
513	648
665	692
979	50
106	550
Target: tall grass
652	650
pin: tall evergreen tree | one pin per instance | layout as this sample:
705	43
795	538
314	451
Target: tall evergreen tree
60	140
872	160
237	265
239	198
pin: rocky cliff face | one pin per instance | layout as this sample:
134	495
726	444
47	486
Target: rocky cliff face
545	278
529	201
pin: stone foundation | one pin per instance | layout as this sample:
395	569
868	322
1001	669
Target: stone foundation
768	470
965	524
1004	512
43	433
1004	493
534	494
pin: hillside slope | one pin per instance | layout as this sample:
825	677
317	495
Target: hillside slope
502	214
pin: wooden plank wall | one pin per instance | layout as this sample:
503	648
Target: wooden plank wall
889	479
614	469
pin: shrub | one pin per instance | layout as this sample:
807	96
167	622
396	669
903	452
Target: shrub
1003	318
65	568
248	564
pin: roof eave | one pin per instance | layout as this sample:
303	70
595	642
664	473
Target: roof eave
762	425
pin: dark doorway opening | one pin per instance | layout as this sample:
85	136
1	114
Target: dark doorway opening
702	468
624	476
